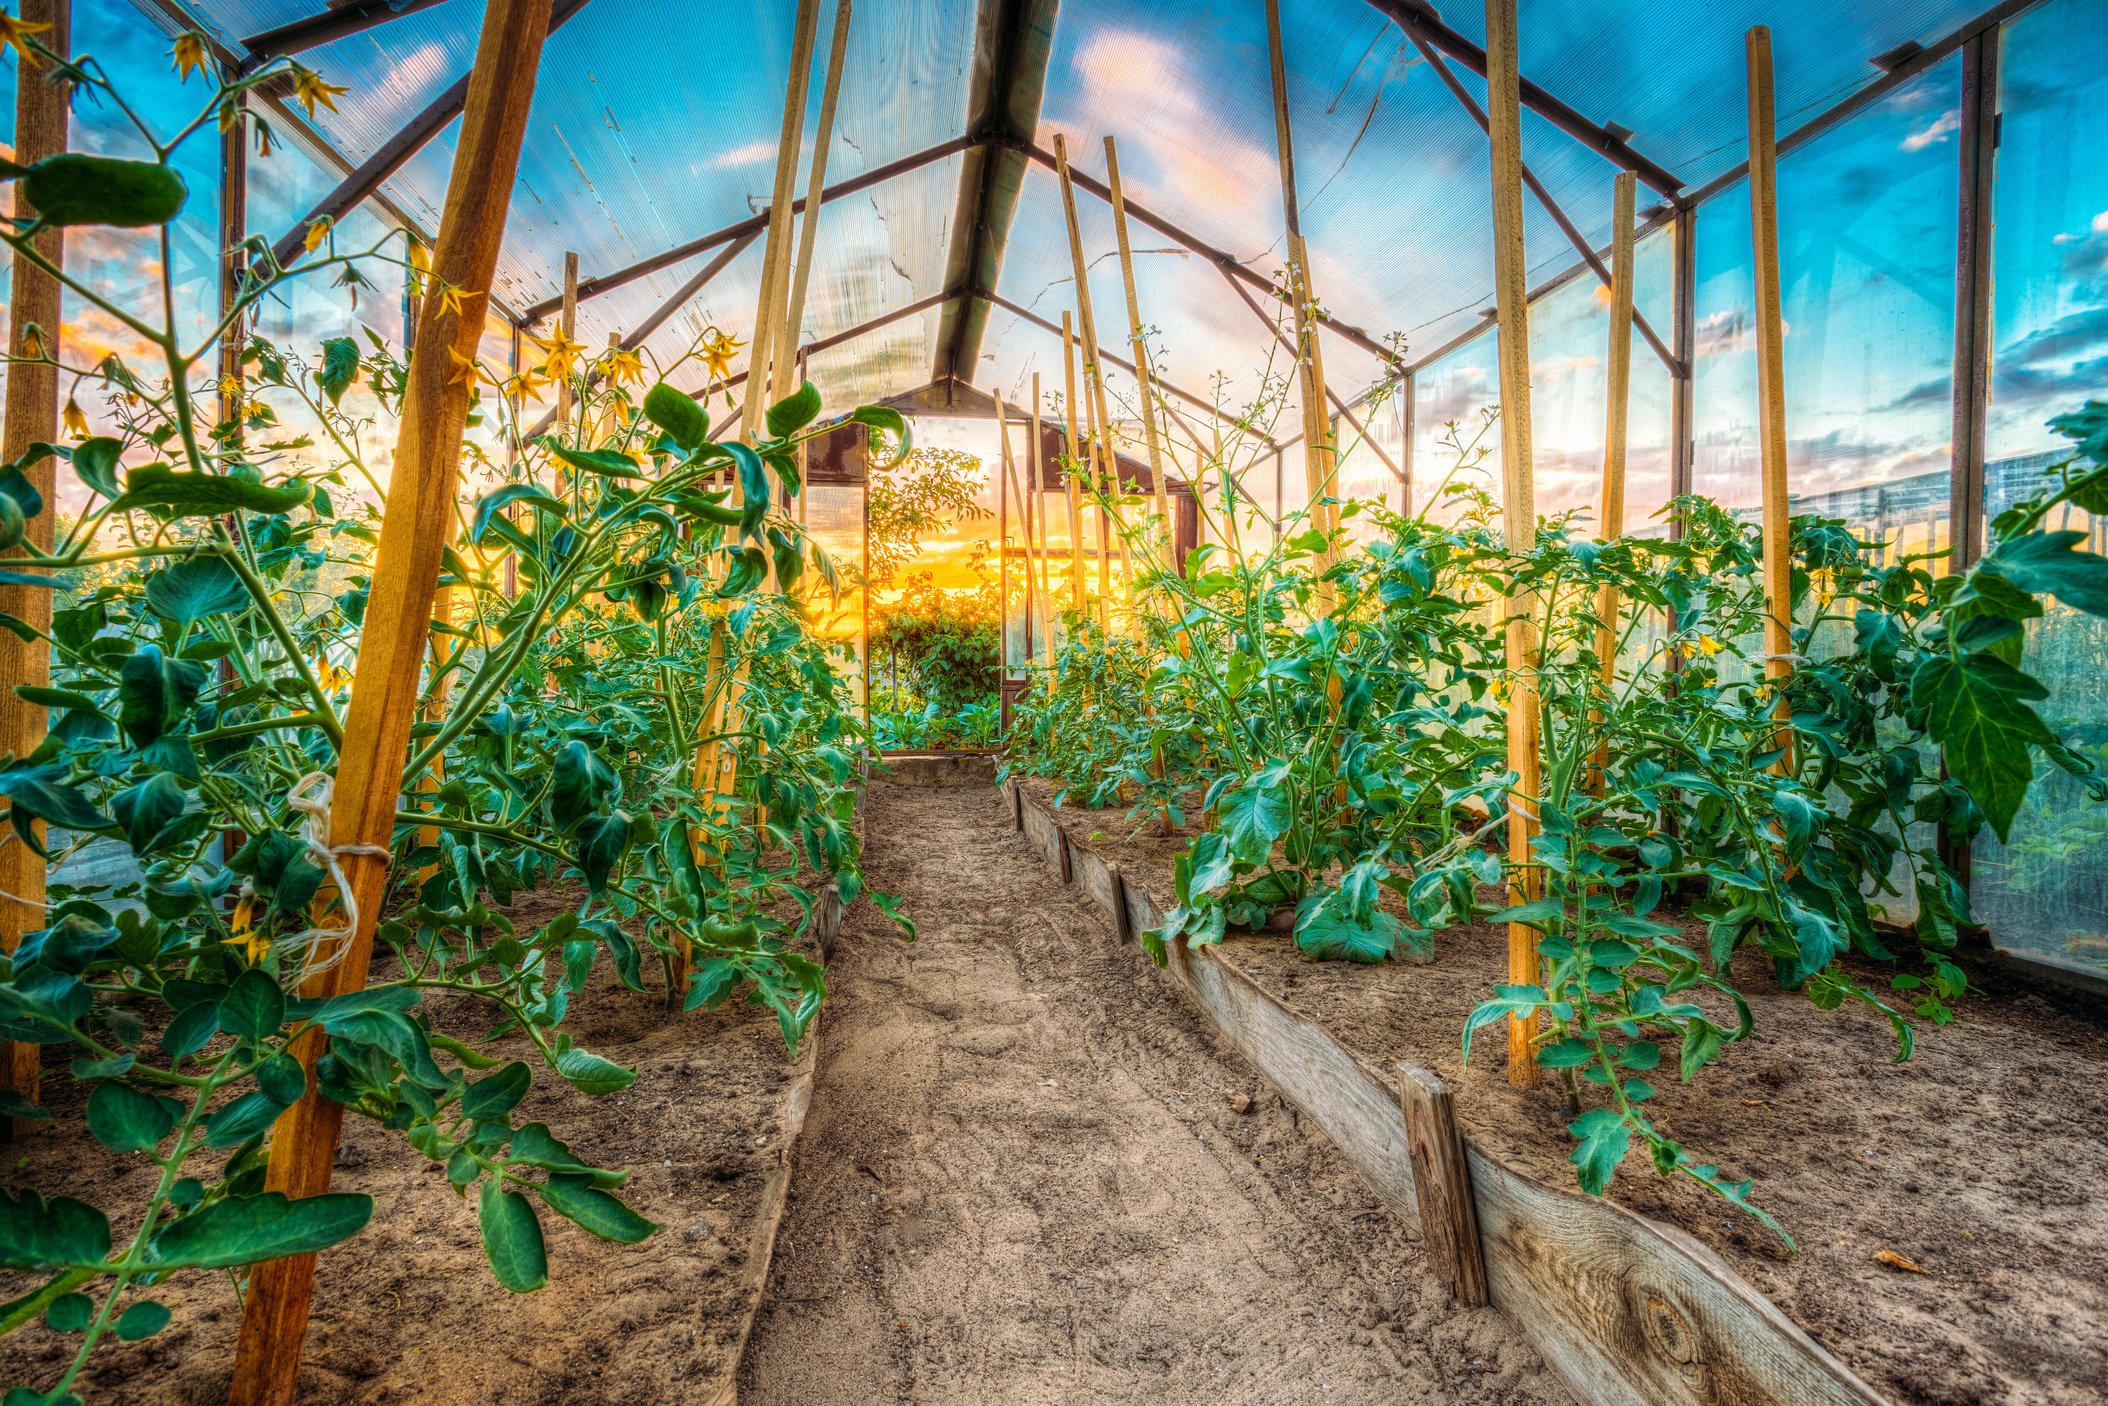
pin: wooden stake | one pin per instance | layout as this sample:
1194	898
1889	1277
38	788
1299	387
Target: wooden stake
1145	389
434	711
32	415
775	258
1068	404
1319	467
1771	388
567	330
1039	499
415	526
1094	452
1518	509
1617	393
1449	1221
808	233
1094	376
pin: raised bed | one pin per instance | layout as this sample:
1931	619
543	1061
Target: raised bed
1625	1309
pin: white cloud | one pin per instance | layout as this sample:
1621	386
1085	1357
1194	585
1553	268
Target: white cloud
1943	127
752	154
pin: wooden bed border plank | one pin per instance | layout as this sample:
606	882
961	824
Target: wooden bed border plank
1627	1311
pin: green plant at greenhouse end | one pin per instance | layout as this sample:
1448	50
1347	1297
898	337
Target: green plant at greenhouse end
1340	710
197	705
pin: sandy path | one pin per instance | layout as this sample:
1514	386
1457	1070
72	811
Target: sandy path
1024	1180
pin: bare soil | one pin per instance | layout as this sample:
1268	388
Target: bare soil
408	1310
1982	1161
1032	1176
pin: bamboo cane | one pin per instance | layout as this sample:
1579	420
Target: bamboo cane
1518	508
1318	456
1039	497
414	530
41	110
1075	466
816	183
775	256
1087	325
1145	389
1617	392
1771	389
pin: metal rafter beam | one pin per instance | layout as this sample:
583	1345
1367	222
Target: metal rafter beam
1346	413
1220	258
332	24
753	225
1414	17
1107	357
1544	197
1014	39
397	150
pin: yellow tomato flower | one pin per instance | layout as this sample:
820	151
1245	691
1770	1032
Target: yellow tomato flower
76	420
465	370
317	232
563	355
717	351
450	299
1708	646
420	264
189	53
253	943
625	367
12	33
309	88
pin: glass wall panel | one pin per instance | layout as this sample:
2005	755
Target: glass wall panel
2046	893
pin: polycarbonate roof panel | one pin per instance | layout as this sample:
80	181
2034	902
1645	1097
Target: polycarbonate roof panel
629	154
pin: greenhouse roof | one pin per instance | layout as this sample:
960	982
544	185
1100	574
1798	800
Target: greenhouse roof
942	249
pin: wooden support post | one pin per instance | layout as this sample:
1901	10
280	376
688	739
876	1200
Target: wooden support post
1617	394
1002	558
1075	467
1039	501
1104	470
434	711
1518	509
1449	1221
1771	387
1145	388
32	415
415	526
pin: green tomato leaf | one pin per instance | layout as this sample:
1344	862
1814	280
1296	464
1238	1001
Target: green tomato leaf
512	1238
242	1230
577	1199
123	1119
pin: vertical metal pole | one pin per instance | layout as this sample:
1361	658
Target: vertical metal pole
1972	295
1973	342
1683	444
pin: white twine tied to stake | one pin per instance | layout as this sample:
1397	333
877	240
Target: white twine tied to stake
310	797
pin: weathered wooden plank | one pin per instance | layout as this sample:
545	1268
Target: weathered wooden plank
1094	876
1123	925
1629	1312
1442	1180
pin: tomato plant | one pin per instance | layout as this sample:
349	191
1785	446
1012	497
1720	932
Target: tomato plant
623	595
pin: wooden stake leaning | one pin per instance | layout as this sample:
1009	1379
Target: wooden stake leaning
415	526
1099	456
1145	388
1771	388
1617	394
434	711
1093	374
775	256
566	334
1318	457
41	110
1518	509
1075	467
816	184
1035	608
